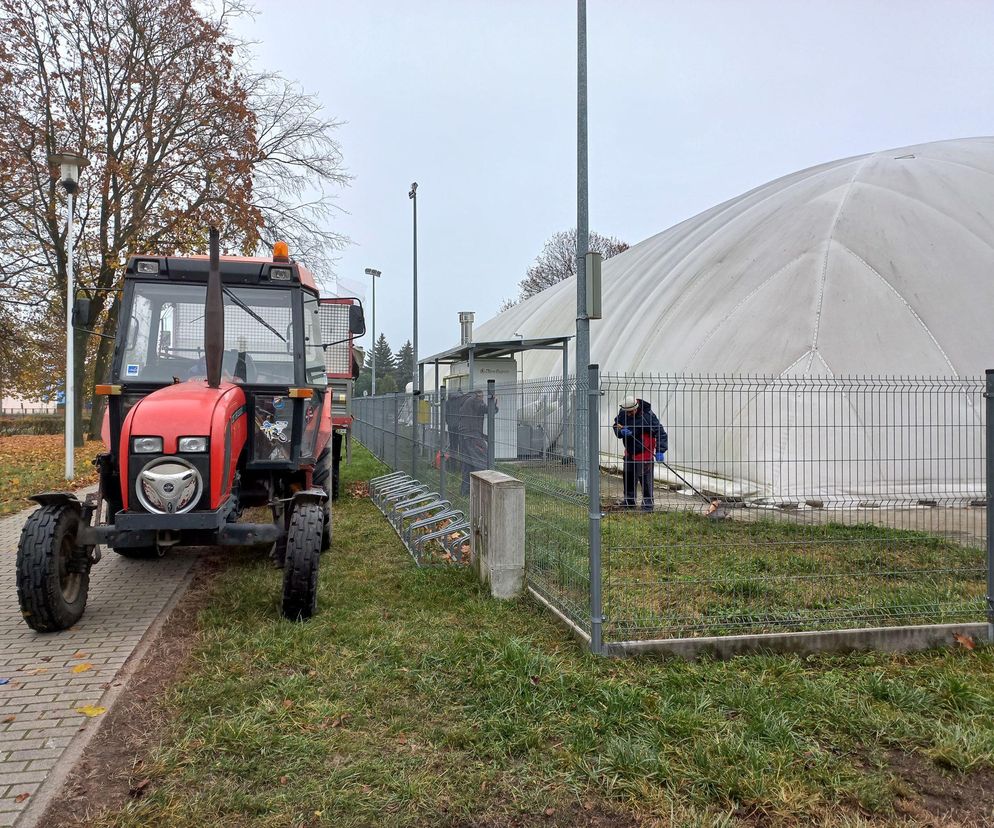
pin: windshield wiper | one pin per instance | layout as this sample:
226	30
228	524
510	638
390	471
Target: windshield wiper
250	312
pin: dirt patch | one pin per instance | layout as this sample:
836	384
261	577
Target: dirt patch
938	798
109	774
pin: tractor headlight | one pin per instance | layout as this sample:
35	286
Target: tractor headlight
193	444
147	445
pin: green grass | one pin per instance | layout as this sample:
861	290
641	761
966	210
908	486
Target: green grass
678	573
411	699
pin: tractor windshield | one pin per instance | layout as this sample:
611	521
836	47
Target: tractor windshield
165	334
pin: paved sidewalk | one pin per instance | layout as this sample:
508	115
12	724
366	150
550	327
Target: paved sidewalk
50	677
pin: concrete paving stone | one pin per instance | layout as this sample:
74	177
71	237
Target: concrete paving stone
125	598
22	777
33	754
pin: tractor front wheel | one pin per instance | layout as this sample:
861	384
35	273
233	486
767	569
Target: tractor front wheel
53	572
303	552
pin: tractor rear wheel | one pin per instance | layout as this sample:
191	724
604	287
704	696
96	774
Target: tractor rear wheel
53	573
303	552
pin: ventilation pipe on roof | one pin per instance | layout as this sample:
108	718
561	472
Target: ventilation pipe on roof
466	327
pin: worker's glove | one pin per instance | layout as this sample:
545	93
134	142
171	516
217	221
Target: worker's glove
625	432
660	456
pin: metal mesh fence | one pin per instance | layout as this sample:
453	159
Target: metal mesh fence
790	503
772	504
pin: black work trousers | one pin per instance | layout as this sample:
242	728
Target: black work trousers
638	472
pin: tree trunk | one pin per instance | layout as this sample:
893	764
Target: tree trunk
101	370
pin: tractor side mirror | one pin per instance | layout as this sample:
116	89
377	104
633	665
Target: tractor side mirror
357	320
81	313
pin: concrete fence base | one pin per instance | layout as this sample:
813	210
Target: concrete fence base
887	639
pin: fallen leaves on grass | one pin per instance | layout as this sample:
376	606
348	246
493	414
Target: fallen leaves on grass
36	463
965	641
360	488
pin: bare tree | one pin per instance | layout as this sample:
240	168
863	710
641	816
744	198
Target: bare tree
557	262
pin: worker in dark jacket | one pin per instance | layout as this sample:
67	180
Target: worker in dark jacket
472	439
645	443
453	424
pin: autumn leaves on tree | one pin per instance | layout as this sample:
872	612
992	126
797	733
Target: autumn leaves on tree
181	133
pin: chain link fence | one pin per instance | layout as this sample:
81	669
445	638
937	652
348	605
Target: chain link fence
772	504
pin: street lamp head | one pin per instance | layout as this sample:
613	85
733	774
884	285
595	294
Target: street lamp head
70	164
414	190
372	272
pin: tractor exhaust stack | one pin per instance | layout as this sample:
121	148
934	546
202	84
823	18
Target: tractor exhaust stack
214	314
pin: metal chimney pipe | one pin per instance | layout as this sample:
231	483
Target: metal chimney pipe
466	327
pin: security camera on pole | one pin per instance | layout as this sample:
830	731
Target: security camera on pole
69	166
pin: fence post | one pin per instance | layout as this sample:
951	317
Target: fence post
396	430
491	423
441	444
989	459
414	433
593	391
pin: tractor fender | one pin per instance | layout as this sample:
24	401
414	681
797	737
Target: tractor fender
56	499
310	496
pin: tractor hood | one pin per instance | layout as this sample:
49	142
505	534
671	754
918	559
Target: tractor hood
189	409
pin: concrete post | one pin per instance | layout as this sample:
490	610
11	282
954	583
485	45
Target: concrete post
497	518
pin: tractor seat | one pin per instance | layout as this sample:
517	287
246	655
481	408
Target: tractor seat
239	365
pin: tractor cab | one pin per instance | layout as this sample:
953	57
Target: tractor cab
218	401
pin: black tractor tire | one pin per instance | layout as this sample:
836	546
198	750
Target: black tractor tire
303	553
324	476
51	597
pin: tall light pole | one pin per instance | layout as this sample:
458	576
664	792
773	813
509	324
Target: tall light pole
69	166
413	195
582	233
376	275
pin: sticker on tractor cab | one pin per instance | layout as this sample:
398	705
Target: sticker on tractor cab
275	430
131	370
278	403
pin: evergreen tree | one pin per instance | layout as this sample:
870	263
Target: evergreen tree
404	365
385	363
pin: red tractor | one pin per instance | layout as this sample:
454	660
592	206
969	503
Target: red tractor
218	401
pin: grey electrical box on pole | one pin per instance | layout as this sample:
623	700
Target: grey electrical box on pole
592	271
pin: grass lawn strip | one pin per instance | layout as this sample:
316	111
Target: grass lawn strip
411	699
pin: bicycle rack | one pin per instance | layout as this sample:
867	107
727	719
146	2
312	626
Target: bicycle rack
409	507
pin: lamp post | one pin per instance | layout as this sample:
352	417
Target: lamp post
376	275
69	166
413	195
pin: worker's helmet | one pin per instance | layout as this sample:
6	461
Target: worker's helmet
629	403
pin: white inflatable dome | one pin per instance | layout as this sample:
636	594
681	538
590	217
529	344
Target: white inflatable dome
881	264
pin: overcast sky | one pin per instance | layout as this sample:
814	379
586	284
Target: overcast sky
690	104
